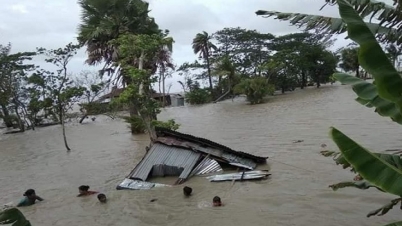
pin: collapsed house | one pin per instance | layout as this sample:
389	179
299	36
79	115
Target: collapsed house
184	156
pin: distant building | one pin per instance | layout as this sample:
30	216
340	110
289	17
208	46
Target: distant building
173	100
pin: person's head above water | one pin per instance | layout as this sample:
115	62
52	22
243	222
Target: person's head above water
83	189
102	198
217	201
30	193
187	191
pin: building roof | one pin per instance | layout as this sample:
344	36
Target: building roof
117	91
184	155
202	142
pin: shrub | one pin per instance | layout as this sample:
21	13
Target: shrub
170	124
197	96
255	89
137	125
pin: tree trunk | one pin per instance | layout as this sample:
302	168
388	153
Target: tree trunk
357	72
229	90
146	117
64	132
209	73
83	117
163	90
20	123
303	81
318	80
7	120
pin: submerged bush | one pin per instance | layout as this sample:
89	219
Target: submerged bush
255	89
197	96
137	125
169	124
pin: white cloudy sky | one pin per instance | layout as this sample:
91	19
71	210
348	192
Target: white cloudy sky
28	24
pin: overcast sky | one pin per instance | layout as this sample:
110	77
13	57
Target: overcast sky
28	24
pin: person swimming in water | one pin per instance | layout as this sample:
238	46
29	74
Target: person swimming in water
216	201
102	198
84	191
187	191
29	199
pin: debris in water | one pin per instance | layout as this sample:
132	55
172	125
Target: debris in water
297	141
247	175
184	156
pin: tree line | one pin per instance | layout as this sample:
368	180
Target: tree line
241	61
135	54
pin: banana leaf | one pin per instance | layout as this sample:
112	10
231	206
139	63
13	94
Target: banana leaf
13	217
371	56
364	185
383	210
368	96
370	166
393	159
330	25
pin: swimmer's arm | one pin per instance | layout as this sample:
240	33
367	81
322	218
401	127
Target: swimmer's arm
39	198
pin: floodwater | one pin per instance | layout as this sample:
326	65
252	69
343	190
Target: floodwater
297	193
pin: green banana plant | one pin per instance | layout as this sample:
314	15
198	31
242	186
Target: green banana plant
14	217
382	171
386	29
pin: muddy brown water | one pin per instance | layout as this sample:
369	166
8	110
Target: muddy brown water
104	152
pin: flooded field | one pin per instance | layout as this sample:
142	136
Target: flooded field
297	193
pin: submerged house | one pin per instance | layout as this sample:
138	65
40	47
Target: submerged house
173	100
183	155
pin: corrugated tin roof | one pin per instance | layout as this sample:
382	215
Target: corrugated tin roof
207	165
162	132
228	157
166	160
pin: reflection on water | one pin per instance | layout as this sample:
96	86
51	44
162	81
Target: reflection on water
104	152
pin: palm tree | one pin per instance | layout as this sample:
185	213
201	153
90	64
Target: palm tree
103	21
389	28
225	67
163	60
202	45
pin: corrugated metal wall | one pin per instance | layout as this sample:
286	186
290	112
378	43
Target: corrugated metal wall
166	160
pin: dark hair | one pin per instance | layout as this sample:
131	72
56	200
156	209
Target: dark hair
83	187
216	199
187	191
101	195
29	192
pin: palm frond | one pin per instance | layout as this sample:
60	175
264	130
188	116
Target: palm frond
331	25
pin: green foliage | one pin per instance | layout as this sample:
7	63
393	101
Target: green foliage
288	61
255	89
379	170
197	96
138	92
170	124
13	217
13	73
368	96
137	124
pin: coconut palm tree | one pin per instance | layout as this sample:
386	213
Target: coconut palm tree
389	28
163	60
202	45
225	67
103	21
